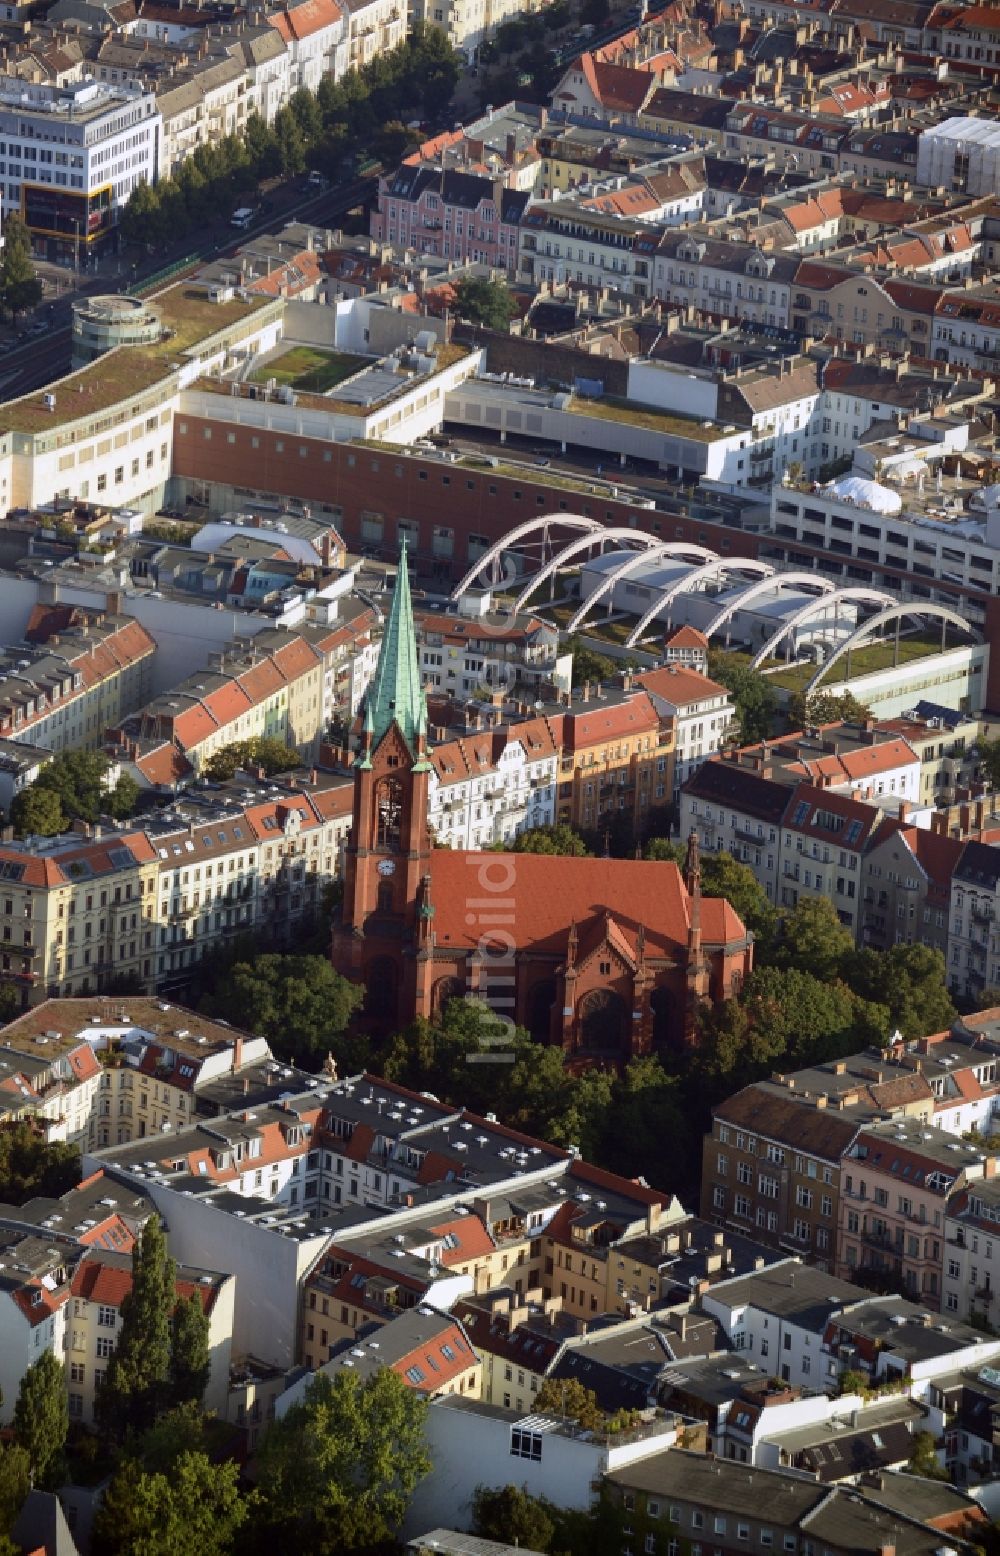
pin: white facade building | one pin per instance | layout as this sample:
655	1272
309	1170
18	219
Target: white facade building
72	157
478	796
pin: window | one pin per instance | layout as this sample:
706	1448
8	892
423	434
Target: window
525	1445
107	1317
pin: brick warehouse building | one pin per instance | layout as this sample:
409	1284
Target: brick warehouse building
610	958
379	496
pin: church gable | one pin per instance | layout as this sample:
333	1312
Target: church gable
606	944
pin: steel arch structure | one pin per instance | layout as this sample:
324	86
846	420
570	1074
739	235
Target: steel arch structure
592	538
656	548
814	608
813	580
892	613
540	521
695	577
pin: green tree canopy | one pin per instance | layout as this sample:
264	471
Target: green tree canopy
73	786
512	1516
570	1400
825	708
588	664
30	1167
753	694
488	303
923	1458
910	981
20	288
15	1483
189	1355
41	1418
337	1471
558	838
259	751
299	1003
812	938
136	1382
196	1507
724	876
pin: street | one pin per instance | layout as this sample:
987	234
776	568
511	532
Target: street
27	362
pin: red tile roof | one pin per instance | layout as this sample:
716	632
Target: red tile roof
678	685
548	892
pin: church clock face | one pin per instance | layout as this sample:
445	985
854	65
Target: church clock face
386	867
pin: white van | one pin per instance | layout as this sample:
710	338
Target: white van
243	217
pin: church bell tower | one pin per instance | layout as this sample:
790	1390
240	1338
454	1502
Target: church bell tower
389	846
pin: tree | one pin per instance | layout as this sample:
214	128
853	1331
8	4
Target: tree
513	1517
36	812
291	142
813	938
488	303
29	1166
179	1431
78	780
825	708
588	665
15	1483
136	1382
556	838
753	694
663	850
298	1002
259	751
337	1471
307	113
923	1458
41	1417
197	1507
189	1357
570	1401
20	288
140	220
724	876
910	981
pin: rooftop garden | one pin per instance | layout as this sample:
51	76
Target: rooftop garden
309	369
611	409
866	660
188	315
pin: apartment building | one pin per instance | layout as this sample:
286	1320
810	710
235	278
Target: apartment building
461	216
273	685
516	1343
572	243
973	934
462	656
137	1067
691	1497
99	1284
486	786
896	1180
700	711
617	757
771	1169
315	33
730	280
970	1280
906	883
77	672
147	901
374	27
73	155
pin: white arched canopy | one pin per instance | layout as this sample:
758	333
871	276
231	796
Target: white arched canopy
696	576
944	613
654	550
542	521
814	608
581	543
767	586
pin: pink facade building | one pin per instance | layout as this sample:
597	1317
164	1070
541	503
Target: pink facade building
894	1185
456	215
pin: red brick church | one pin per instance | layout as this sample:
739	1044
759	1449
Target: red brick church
609	958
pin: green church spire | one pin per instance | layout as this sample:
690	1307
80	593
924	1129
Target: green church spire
395	693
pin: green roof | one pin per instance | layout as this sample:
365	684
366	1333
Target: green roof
395	694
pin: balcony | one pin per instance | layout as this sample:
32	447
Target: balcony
984	1294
